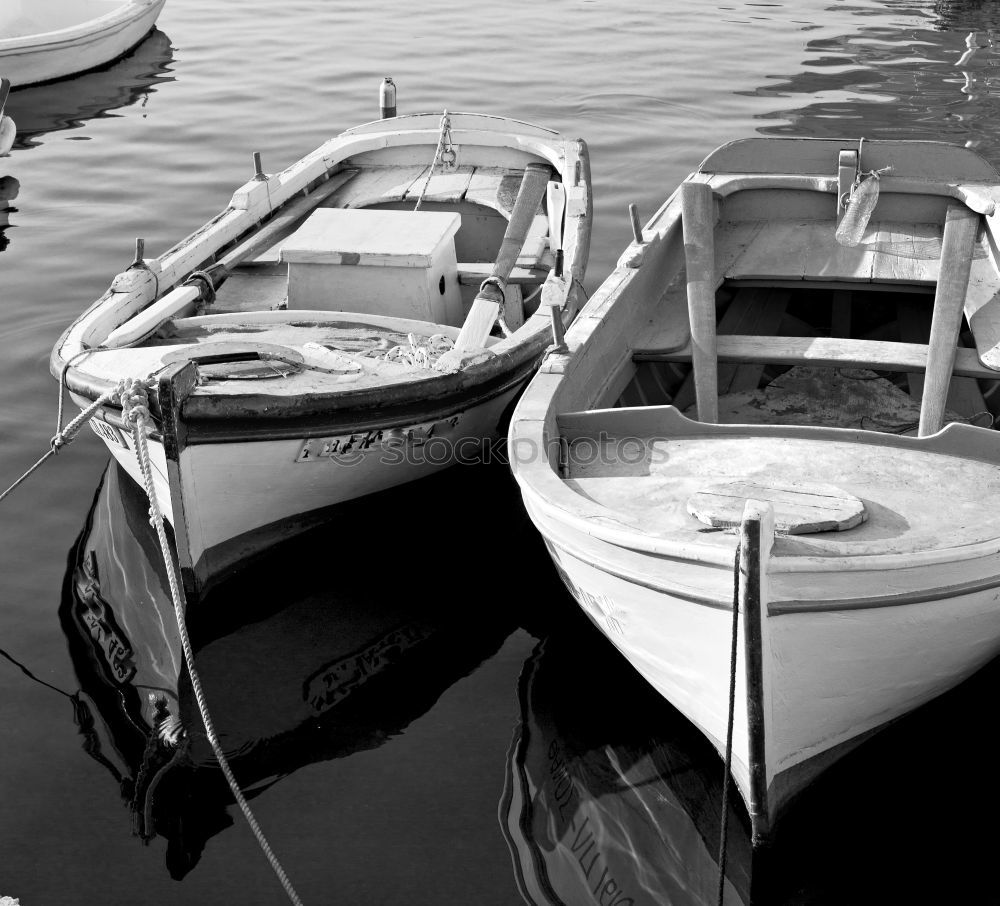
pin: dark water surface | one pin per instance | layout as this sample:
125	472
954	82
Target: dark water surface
414	704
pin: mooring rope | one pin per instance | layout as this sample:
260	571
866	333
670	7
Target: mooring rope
444	149
135	414
724	830
64	436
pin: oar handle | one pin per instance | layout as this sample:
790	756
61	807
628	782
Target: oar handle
529	196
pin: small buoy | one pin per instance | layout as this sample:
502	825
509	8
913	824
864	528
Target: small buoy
387	98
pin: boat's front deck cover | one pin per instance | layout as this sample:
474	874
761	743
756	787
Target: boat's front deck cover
288	353
920	494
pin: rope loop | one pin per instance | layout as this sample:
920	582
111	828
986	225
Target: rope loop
496	282
207	285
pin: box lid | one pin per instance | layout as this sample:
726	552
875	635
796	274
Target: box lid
370	237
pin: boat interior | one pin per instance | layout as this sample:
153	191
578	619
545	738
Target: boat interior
829	362
299	304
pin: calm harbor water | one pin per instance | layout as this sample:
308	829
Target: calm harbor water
442	778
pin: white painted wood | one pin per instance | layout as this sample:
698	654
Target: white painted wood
699	257
63	47
956	263
175	303
800	508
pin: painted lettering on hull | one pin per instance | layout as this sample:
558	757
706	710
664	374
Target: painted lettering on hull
604	611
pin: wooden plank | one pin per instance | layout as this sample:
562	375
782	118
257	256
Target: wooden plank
698	219
777	252
376	185
494	187
249	291
907	252
444	187
752	312
958	244
825	351
964	396
826	259
800	508
472	273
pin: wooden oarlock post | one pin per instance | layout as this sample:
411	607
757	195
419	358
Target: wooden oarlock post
756	541
957	247
698	219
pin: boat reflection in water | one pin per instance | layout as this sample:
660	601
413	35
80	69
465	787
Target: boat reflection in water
67	104
612	797
303	656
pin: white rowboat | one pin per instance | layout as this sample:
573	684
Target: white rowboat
52	39
296	339
743	382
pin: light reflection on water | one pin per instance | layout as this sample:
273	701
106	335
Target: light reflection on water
152	147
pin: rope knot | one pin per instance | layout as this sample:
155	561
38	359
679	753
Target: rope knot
134	402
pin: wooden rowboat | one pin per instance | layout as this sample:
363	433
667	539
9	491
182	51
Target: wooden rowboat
746	385
320	340
52	39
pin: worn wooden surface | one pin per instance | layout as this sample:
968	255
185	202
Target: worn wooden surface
949	301
800	508
832	351
698	221
752	312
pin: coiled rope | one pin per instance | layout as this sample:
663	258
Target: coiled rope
135	415
724	829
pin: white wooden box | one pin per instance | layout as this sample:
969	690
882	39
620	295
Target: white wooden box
396	263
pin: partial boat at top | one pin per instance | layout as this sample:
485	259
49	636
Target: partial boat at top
40	109
761	361
321	338
44	40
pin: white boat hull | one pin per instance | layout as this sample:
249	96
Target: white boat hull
232	500
77	48
832	676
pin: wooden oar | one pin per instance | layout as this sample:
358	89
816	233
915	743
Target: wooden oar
957	247
486	306
278	227
181	297
555	289
698	221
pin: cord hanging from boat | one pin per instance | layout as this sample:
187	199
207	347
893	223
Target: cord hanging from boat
724	822
135	415
444	154
64	436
